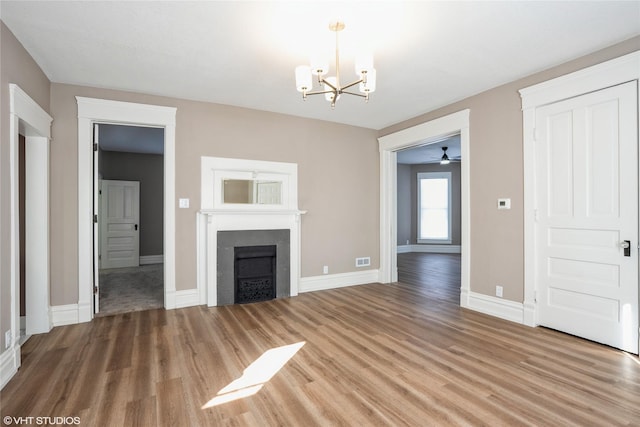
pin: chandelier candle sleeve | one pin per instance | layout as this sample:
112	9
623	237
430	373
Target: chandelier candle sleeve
331	87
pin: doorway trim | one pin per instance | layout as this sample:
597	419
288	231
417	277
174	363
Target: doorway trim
408	138
610	73
28	118
92	110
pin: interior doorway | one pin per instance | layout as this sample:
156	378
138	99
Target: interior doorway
130	173
435	130
91	111
429	217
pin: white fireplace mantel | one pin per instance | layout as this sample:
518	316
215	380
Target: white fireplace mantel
216	216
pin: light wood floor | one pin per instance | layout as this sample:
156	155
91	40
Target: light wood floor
402	354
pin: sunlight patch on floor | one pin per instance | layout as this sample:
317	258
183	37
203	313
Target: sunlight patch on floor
256	375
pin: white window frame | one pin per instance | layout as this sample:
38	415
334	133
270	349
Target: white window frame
434	175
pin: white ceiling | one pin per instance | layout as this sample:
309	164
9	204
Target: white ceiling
427	54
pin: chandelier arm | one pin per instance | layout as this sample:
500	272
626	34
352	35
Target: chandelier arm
354	93
320	92
351	84
335	87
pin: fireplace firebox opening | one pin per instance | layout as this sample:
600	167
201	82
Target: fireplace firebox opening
254	273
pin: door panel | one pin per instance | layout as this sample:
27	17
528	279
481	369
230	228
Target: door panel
119	224
587	204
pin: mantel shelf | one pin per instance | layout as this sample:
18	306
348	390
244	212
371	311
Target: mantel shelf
251	212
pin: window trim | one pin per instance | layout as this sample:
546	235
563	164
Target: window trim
434	175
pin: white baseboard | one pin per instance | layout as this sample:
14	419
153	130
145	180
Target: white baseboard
331	281
493	306
441	249
151	259
9	364
187	298
64	315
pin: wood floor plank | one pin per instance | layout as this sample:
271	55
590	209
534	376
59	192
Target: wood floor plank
398	354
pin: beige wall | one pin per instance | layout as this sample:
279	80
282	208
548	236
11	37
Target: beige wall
338	174
16	66
497	237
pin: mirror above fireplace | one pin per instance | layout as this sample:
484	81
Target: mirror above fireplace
252	191
248	185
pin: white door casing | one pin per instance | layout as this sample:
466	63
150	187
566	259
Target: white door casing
119	224
587	204
34	123
607	74
28	118
412	137
97	200
90	111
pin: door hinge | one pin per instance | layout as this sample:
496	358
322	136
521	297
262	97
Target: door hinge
95	146
95	289
95	219
535	215
535	297
534	134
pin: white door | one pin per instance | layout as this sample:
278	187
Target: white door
119	223
586	208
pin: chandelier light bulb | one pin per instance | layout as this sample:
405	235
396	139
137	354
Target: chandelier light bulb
303	78
368	84
364	63
330	94
319	65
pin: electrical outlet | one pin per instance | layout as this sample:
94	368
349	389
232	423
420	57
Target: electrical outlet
7	339
499	291
183	203
325	269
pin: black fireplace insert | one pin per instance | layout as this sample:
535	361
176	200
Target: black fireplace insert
254	273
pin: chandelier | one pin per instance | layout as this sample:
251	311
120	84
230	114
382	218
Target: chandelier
331	87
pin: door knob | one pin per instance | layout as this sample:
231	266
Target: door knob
626	245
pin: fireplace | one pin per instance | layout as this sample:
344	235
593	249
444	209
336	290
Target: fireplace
226	224
241	251
254	273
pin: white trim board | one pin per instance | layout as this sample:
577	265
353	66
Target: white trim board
64	314
497	307
151	259
91	111
438	249
188	298
9	364
340	280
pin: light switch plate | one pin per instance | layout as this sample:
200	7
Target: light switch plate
183	203
504	203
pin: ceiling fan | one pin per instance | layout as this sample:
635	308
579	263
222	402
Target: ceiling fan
445	160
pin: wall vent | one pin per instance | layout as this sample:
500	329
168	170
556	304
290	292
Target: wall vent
363	262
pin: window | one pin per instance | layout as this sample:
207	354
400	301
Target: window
434	207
